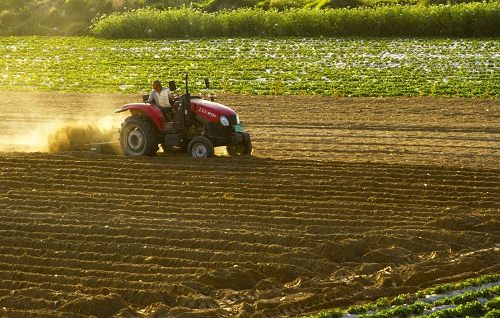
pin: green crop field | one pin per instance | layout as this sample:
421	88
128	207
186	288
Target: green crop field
470	298
321	66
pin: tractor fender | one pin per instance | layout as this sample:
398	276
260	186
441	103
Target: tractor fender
152	111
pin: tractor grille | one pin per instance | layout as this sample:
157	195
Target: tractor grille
223	131
232	119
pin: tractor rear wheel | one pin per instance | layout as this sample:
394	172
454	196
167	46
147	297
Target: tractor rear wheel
239	150
138	137
200	147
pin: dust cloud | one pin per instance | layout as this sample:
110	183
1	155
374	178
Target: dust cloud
52	122
62	136
79	136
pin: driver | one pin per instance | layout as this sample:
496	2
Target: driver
160	96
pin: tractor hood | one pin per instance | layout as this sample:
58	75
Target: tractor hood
210	110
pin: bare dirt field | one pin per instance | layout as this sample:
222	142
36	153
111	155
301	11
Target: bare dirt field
343	201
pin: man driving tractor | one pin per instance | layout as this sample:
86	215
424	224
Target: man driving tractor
200	125
161	96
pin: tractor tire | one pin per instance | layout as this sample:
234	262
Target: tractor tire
200	147
240	150
138	136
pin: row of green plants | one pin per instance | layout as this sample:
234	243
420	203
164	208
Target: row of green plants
470	309
462	20
467	304
266	66
74	17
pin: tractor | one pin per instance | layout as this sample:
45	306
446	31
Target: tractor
194	124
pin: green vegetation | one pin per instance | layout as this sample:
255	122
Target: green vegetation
351	67
462	20
472	282
74	17
336	67
467	304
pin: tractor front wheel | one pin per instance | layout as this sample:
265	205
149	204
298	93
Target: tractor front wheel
239	150
138	137
200	147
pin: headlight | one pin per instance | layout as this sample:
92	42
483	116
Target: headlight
237	120
224	121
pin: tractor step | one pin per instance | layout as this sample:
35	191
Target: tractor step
168	125
169	128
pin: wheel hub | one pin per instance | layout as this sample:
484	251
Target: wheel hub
135	140
199	151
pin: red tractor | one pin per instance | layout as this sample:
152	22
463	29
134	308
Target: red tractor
196	126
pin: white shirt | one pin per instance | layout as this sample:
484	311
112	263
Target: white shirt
160	99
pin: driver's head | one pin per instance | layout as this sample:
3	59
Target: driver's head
157	86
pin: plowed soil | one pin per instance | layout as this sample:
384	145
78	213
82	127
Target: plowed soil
342	202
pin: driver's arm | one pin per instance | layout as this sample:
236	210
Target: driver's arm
152	97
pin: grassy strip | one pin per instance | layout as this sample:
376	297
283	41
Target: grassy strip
405	304
462	20
73	17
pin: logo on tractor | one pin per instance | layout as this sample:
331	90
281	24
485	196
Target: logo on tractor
209	113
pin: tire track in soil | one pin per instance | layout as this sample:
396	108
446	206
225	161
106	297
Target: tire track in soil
344	201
